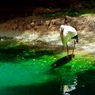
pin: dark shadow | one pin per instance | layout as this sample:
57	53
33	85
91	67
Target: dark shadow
87	78
83	91
50	88
86	83
62	61
17	54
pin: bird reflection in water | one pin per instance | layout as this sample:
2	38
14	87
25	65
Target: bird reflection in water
66	89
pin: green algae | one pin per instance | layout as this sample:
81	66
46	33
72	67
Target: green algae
37	67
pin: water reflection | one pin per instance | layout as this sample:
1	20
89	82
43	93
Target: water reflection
68	80
83	84
38	73
66	89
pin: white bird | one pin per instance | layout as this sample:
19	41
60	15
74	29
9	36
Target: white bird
67	33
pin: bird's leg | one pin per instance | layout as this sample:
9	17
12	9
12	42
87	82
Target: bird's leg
67	50
73	49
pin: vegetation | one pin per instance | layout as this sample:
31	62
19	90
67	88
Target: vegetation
70	12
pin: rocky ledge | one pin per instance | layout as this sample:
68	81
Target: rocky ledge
34	30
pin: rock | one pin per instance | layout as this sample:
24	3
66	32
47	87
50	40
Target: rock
42	10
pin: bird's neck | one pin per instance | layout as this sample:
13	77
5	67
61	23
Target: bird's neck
62	37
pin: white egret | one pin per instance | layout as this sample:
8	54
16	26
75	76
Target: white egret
68	33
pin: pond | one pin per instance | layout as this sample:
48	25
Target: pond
46	72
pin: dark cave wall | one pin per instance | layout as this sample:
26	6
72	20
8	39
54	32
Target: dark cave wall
44	3
16	8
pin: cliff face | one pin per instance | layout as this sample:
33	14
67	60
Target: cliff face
18	8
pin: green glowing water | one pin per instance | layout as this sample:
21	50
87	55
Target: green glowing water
22	68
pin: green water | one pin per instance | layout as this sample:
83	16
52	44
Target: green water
44	72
